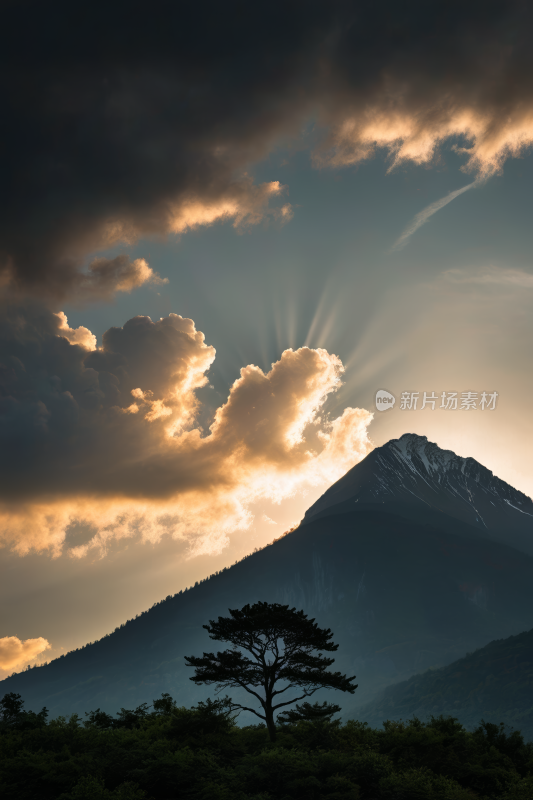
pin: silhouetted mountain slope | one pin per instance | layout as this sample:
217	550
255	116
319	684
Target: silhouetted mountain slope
412	473
495	682
401	595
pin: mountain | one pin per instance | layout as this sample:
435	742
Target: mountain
412	475
405	585
495	682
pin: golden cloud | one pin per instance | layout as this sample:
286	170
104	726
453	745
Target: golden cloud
240	202
81	453
243	203
81	335
107	276
14	652
413	128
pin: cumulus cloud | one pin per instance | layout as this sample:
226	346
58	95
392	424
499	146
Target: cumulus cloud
80	335
159	133
14	652
108	439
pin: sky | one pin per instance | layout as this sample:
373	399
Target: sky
224	230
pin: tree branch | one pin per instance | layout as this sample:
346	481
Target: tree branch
245	708
250	691
295	699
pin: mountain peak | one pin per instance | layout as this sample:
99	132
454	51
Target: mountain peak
413	471
434	458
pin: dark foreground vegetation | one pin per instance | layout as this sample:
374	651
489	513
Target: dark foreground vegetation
165	753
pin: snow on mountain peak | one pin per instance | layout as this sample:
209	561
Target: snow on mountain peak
430	454
414	471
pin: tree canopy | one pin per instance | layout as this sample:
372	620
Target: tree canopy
283	652
13	715
318	712
199	753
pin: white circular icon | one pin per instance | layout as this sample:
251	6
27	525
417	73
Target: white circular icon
384	400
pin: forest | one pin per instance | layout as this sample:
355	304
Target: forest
166	752
495	682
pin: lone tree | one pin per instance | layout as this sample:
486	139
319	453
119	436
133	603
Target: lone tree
283	645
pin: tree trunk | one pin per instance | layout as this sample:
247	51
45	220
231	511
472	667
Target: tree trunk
270	724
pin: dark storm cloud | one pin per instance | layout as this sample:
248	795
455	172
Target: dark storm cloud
123	120
128	119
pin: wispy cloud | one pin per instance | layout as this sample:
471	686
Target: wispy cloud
492	276
426	213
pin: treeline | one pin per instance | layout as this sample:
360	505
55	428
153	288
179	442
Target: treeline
497	678
162	752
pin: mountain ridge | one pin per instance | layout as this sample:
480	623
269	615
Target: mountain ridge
403	586
413	471
399	597
497	678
